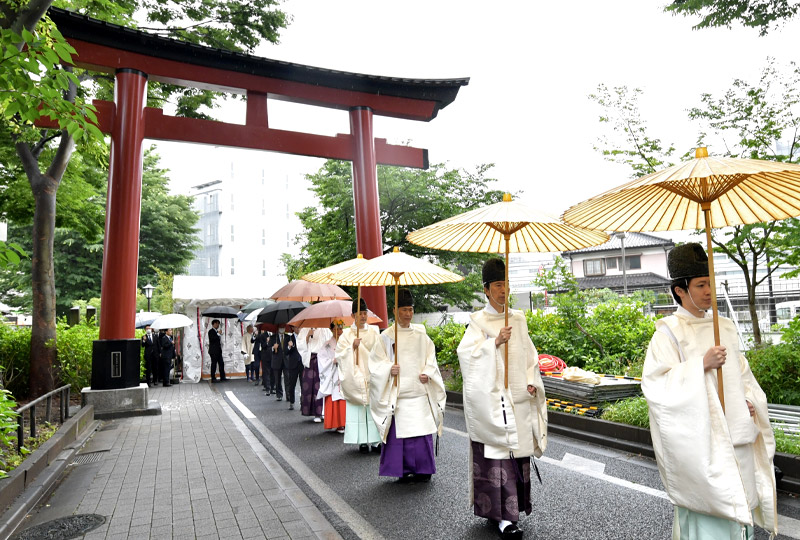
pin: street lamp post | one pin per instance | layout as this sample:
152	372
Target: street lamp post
148	293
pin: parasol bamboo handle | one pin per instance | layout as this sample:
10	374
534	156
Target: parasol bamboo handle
358	313
707	215
505	306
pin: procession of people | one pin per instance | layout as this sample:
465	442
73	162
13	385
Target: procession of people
384	393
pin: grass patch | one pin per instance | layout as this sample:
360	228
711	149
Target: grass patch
787	443
631	411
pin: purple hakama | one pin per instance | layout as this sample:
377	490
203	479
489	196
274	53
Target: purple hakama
498	491
309	386
403	456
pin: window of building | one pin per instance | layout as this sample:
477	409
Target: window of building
231	201
634	262
594	267
232	265
263	267
263	237
611	262
231	233
263	208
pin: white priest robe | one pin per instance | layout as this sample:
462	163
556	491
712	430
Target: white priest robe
314	345
328	372
696	444
355	378
416	408
509	419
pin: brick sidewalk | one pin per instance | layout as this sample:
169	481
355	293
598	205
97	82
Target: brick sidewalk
193	472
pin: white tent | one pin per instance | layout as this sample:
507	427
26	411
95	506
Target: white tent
194	294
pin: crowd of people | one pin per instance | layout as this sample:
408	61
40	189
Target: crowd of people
384	393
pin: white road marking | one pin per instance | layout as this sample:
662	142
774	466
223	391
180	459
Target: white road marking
353	519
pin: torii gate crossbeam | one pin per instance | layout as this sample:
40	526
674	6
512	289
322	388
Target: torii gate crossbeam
135	57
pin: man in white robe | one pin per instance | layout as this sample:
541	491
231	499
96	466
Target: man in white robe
407	398
716	465
506	426
353	353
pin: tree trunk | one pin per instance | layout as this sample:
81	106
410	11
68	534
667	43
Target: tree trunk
751	301
44	188
43	332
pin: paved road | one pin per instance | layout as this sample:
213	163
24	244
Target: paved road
588	492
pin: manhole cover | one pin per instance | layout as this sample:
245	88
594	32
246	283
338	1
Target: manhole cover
62	528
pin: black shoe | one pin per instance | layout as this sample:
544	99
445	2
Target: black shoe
512	532
424	478
363	448
407	478
167	384
223	379
213	380
279	398
291	406
376	448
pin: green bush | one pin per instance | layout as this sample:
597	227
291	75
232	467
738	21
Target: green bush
15	353
74	356
552	334
631	411
777	370
446	339
8	426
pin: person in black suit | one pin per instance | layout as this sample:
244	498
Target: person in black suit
150	356
167	354
275	347
215	352
254	339
267	375
292	362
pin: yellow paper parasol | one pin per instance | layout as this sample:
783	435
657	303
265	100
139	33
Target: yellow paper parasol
702	193
505	227
396	269
325	276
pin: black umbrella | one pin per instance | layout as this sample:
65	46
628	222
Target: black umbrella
281	312
221	312
257	304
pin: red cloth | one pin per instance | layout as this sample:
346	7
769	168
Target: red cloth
334	413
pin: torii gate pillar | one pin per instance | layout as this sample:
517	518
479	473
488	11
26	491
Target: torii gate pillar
369	240
115	356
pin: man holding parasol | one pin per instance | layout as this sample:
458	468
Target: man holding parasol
715	464
407	397
506	424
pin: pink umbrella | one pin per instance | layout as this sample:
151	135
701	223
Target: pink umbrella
307	291
323	314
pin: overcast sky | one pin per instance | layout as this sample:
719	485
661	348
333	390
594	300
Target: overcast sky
531	67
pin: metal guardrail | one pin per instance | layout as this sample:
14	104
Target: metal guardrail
48	399
785	417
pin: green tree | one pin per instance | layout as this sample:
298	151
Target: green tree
409	200
168	243
748	121
38	81
761	14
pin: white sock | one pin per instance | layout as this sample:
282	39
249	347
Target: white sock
503	524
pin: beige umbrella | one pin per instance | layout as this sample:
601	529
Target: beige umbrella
306	291
322	314
702	193
505	227
396	269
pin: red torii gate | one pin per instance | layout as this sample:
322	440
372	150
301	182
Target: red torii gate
134	57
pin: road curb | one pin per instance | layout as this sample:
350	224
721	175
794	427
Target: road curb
40	472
